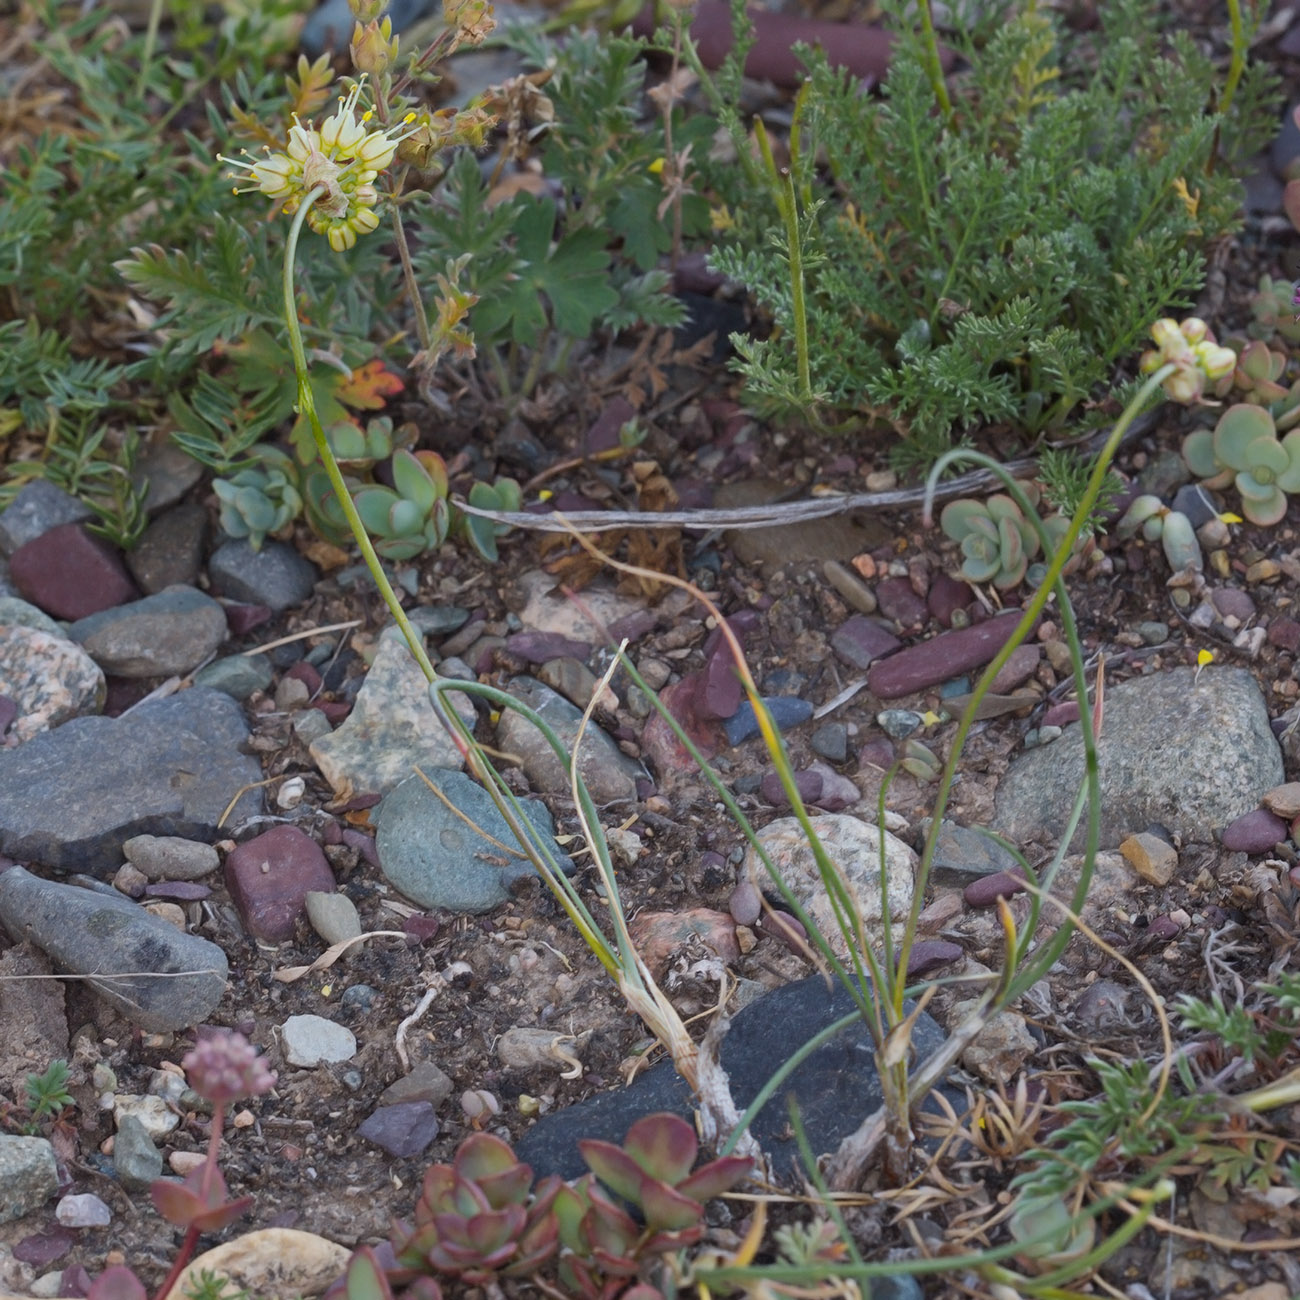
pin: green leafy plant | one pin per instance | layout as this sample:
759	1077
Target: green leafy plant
1244	450
1063	474
1171	528
1273	312
261	499
412	516
47	1093
994	259
997	542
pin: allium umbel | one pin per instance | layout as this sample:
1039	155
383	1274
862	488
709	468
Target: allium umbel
1190	346
342	158
225	1067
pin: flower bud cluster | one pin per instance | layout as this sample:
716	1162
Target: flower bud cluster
342	158
1200	361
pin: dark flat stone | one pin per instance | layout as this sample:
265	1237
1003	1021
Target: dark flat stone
836	1088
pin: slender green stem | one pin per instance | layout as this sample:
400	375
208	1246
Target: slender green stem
150	44
933	65
1237	62
307	406
408	272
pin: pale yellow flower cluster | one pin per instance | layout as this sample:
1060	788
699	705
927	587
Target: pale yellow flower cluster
1191	347
342	158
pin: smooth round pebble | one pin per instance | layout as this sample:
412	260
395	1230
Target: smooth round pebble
1153	632
1254	832
169	857
84	1210
930	954
332	915
988	889
310	1041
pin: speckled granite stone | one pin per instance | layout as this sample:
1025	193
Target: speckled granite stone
48	677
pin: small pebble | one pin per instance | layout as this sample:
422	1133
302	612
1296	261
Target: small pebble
898	723
1254	832
988	889
831	742
1153	632
1284	800
930	954
1263	571
786	710
1151	857
83	1211
857	595
745	903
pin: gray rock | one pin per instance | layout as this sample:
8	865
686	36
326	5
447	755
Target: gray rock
14	611
168	857
38	507
237	676
831	742
403	1130
28	1175
391	730
437	860
438	620
962	855
70	797
171	632
136	1161
309	725
1188	753
49	678
276	576
426	1082
169	472
332	915
170	552
609	773
309	1041
835	1087
158	976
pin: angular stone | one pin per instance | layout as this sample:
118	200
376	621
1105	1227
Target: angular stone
667	756
929	954
657	936
1284	800
546	609
860	641
437	859
28	1175
1186	751
49	679
38	506
170	551
1151	857
168	633
70	797
835	1086
391	730
831	741
269	878
276	576
1002	1046
311	1041
718	691
899	602
948	595
786	710
70	574
1017	670
426	1082
542	647
237	676
167	473
576	682
136	1161
1255	832
404	1130
947	655
168	857
961	853
610	775
854	845
1284	633
158	977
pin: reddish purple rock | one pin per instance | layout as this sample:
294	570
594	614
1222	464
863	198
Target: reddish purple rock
930	954
986	891
8	712
878	753
305	673
660	747
363	843
1285	634
70	574
1017	670
783	926
1164	928
946	596
947	655
1254	832
270	877
860	641
542	647
746	903
898	601
403	1130
603	435
718	691
1061	715
244	618
421	927
1232	602
809	785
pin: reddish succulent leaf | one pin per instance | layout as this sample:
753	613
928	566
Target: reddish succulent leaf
614	1167
365	1279
369	387
665	1207
716	1177
117	1283
191	1203
664	1146
424	1288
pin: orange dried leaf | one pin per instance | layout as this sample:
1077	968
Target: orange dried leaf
369	387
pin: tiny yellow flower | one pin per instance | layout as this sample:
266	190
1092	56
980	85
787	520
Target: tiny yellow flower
656	168
1229	518
1204	657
